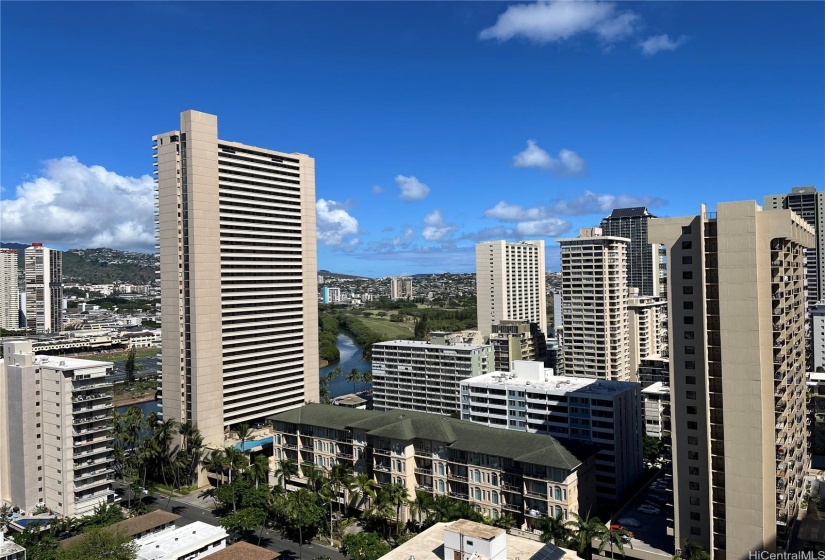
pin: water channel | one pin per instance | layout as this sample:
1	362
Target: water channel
351	357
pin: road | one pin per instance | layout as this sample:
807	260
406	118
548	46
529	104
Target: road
271	539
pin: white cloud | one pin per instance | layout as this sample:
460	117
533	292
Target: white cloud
558	20
657	43
535	221
377	189
567	164
435	227
72	205
334	223
411	188
592	203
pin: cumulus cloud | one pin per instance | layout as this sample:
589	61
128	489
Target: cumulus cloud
535	221
377	189
558	20
334	224
567	164
78	206
411	188
592	203
658	43
436	228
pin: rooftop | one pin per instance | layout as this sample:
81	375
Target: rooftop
162	545
553	384
635	212
657	388
473	529
63	363
429	545
135	525
7	547
243	551
427	344
461	435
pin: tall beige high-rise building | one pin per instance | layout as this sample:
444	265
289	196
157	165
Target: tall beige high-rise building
55	431
594	306
510	283
737	374
9	291
401	287
44	289
238	273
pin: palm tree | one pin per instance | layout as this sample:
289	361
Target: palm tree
353	377
586	529
553	529
505	522
615	535
315	477
243	434
259	468
340	478
216	463
422	508
396	494
366	377
286	471
365	487
234	461
693	551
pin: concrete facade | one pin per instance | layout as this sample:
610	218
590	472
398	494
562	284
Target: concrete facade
238	273
401	287
648	331
531	399
425	376
737	374
809	204
55	431
9	291
510	280
44	289
817	313
517	340
596	331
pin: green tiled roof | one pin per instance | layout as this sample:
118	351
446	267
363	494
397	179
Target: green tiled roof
461	435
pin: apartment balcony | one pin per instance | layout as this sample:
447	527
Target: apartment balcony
95	496
513	507
380	467
533	494
92	408
379	451
90	452
78	388
420	470
290	445
89	419
459	495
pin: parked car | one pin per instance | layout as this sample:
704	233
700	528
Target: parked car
650	510
629	522
626	538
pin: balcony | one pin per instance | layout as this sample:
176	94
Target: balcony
459	495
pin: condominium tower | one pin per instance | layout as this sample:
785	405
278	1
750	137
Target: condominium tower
9	291
737	374
645	268
594	306
606	414
510	283
55	431
44	289
238	273
401	287
810	206
424	376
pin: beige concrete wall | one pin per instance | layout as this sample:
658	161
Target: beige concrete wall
309	248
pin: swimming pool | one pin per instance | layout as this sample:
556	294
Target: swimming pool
250	444
24	521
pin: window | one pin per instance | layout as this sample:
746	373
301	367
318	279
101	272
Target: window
687	305
494	480
694	501
476	475
690	365
690	379
441	486
685	230
557	493
693	471
687	275
693	455
694	516
494	497
691	410
690	395
688	335
690	349
693	440
688	319
687	290
477	493
694	485
441	469
692	426
687	260
687	244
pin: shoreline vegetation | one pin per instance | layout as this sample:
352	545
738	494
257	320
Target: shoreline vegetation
131	399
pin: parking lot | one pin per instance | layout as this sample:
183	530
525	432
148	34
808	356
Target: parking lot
649	524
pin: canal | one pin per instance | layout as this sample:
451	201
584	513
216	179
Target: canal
351	357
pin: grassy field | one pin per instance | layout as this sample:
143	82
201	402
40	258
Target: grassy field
388	328
120	356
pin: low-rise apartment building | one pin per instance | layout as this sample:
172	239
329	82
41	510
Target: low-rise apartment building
657	410
517	340
604	413
525	475
55	430
424	376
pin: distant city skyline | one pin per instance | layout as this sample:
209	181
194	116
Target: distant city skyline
462	124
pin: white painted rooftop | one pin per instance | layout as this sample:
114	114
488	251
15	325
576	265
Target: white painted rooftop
526	374
657	388
170	544
63	363
426	344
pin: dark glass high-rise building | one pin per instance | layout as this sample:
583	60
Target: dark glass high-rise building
645	266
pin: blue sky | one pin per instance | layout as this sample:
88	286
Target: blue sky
433	125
